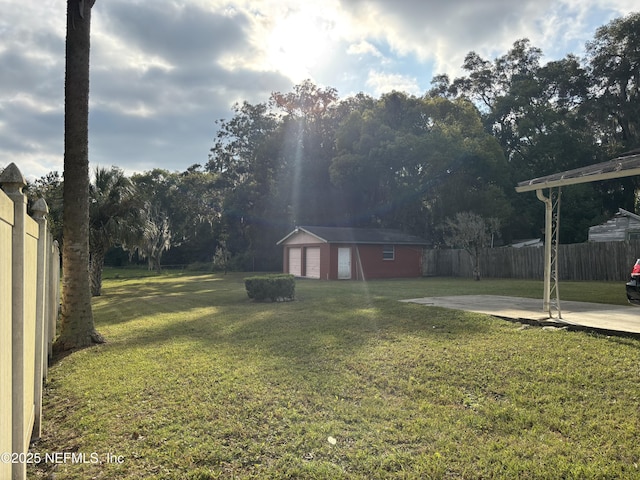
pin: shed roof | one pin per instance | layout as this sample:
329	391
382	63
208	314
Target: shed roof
380	236
624	213
620	213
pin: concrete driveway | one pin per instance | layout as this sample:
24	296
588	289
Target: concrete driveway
597	316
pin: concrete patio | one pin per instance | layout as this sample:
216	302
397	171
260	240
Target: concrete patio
596	316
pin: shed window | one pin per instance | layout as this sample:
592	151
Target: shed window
388	252
633	235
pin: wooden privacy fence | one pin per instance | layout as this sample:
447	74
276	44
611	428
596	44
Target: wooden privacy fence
29	298
603	261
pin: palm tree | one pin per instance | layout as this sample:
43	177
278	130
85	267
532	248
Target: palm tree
77	329
156	232
114	212
153	236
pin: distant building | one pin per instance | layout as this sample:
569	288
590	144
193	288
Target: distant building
623	226
341	253
530	242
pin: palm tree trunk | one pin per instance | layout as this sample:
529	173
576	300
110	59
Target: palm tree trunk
95	270
76	328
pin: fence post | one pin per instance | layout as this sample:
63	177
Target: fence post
13	182
6	307
40	210
53	302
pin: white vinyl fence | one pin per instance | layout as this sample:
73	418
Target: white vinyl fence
29	299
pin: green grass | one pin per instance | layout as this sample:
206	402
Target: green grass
198	382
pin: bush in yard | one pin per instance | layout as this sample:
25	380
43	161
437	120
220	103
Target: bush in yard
271	287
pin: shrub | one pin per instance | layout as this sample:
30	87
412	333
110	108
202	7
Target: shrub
280	287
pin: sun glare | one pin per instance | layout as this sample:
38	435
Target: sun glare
299	43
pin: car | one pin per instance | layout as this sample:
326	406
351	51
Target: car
633	285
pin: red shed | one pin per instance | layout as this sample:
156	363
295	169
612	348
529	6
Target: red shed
337	253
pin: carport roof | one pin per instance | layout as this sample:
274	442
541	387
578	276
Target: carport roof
369	236
626	165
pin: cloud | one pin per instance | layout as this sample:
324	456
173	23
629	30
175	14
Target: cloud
380	83
441	32
178	34
364	48
444	32
31	80
163	71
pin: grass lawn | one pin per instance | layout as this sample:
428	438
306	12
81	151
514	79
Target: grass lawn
198	382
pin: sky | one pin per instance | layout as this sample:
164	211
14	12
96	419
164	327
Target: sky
163	71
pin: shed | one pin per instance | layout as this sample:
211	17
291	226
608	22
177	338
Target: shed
343	253
623	226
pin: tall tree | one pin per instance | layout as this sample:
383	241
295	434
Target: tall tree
77	328
614	105
411	162
614	65
236	151
195	211
309	122
272	162
537	113
247	160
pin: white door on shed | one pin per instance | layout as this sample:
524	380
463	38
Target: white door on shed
295	261
344	263
312	262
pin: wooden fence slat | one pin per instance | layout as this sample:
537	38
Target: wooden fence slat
595	261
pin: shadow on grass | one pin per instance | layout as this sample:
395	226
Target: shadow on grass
127	300
288	346
328	322
317	341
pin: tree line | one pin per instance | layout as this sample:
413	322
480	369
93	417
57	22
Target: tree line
307	157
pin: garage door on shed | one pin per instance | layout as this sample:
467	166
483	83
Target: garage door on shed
312	262
295	261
